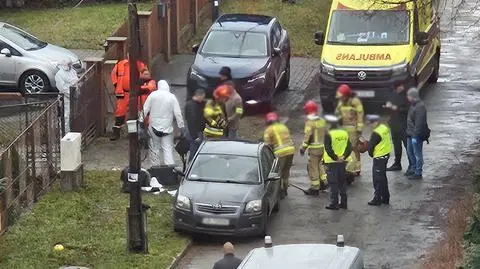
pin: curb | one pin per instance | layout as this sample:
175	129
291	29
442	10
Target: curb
179	257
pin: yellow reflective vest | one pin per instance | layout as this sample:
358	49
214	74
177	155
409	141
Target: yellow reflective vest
314	133
339	145
351	113
278	136
213	114
385	146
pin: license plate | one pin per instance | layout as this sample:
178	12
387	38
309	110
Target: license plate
368	94
215	221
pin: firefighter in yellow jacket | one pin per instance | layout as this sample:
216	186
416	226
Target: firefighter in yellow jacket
313	142
215	122
350	111
278	137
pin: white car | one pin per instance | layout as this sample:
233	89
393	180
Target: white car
28	63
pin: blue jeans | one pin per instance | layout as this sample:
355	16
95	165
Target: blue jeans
415	156
194	145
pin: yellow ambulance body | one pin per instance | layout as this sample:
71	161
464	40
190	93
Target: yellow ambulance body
371	44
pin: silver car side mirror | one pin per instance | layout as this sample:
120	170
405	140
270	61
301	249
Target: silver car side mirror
6	52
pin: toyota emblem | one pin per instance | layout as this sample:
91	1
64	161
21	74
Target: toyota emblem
217	206
362	75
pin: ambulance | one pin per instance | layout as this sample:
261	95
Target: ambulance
371	44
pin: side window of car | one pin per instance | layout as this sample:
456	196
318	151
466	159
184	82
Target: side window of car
3	45
266	162
277	32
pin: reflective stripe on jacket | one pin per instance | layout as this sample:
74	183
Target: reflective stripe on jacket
385	146
278	136
339	145
351	113
314	133
213	114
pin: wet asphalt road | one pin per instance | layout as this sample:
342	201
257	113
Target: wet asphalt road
395	236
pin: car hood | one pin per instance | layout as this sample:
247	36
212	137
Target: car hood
54	53
211	192
241	67
371	56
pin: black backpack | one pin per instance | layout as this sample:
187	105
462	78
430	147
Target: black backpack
425	135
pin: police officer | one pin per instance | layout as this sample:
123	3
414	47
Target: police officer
313	141
379	148
337	152
278	137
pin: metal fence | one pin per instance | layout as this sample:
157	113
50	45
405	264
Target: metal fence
29	163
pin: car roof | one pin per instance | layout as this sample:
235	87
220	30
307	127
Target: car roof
243	22
226	147
301	256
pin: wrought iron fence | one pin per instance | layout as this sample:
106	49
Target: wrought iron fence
30	163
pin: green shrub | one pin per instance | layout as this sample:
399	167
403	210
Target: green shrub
472	235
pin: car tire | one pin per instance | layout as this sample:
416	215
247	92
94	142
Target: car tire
436	71
286	79
34	82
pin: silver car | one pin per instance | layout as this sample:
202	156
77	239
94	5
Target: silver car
29	63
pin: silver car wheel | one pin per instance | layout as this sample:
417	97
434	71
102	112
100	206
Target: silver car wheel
34	84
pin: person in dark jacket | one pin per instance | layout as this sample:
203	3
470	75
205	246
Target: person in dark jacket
225	76
379	148
338	149
229	261
195	121
397	107
417	132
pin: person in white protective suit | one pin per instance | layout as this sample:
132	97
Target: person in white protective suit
65	78
163	108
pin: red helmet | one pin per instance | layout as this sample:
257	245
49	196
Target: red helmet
344	90
271	117
222	91
310	107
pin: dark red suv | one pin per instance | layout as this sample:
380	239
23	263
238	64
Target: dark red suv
255	47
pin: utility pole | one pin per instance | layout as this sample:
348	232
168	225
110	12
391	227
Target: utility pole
136	218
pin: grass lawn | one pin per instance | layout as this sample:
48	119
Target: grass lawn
301	20
91	226
85	27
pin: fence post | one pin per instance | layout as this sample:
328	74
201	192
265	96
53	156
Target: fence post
194	15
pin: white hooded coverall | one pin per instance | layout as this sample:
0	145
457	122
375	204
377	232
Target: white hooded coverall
65	78
163	108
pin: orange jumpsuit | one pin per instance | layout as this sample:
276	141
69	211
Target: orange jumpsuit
121	82
147	87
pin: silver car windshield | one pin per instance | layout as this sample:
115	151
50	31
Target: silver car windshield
225	168
21	38
373	27
235	44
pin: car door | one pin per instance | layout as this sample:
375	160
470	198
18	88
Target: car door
276	59
8	65
283	45
266	162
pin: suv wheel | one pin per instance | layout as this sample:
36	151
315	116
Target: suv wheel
34	82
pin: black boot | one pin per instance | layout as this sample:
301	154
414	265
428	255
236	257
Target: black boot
115	134
386	201
312	192
395	167
343	204
375	202
332	206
